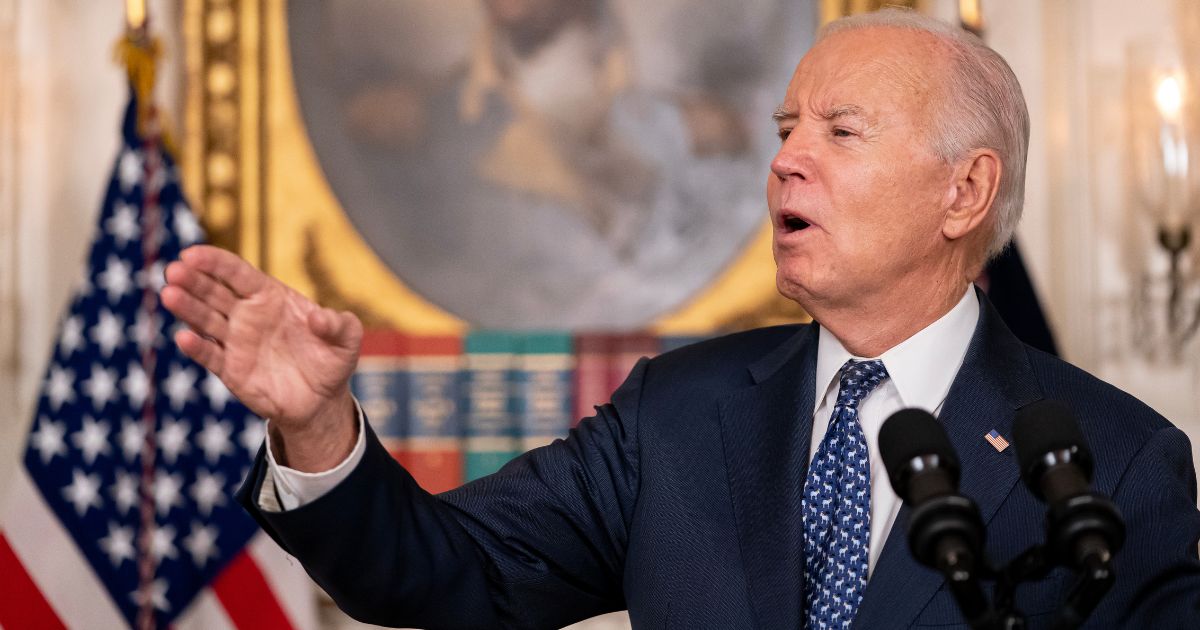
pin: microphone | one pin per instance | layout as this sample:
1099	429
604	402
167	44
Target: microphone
945	531
945	528
1084	529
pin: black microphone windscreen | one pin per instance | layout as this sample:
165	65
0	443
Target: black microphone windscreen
1045	426
911	433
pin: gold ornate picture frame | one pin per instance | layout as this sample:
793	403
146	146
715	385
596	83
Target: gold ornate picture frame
251	170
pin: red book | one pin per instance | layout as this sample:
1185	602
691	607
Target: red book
627	350
590	382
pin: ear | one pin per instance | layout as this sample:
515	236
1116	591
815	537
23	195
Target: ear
976	181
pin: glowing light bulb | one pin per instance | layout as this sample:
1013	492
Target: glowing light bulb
1169	97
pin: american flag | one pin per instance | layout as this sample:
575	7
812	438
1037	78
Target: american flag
135	450
996	440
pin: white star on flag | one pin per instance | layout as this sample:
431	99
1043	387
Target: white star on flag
214	439
129	170
162	543
83	492
218	395
144	332
179	386
153	277
124	492
101	386
48	439
92	439
166	492
253	435
187	228
116	279
173	438
118	544
208	491
157	595
107	332
201	543
135	385
123	225
72	336
60	387
132	438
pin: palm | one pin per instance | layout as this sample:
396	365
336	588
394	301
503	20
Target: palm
274	363
278	352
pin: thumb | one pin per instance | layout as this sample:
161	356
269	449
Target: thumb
340	329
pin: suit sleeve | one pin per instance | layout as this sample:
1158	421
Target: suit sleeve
1157	571
539	544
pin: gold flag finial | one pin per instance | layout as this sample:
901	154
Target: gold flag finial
139	53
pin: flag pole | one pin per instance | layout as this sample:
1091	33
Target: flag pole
139	53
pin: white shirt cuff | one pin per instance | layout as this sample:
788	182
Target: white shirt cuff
286	488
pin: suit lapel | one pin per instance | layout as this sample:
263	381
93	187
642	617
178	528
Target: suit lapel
994	381
765	432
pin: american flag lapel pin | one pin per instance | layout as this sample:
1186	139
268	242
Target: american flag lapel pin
996	440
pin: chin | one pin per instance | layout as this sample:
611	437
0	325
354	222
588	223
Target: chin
793	288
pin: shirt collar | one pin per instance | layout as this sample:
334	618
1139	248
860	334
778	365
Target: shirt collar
921	367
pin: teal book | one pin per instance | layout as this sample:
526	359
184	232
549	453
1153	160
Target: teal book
545	409
488	401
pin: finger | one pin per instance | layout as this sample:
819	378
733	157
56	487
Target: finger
226	267
206	352
343	329
195	313
201	285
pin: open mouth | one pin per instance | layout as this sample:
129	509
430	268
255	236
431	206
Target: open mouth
794	224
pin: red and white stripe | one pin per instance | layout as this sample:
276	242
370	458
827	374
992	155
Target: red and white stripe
45	582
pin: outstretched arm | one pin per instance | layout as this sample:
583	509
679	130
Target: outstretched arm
282	355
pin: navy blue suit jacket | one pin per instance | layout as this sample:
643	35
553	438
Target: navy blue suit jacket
680	500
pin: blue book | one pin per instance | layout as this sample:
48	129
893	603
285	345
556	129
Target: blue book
545	366
380	384
432	449
488	401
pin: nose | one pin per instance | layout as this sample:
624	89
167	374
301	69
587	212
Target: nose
792	159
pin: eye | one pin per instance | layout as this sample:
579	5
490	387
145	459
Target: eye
784	133
842	132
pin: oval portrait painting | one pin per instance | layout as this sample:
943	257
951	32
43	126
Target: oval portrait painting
564	164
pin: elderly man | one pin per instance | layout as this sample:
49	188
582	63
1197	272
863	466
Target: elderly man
690	498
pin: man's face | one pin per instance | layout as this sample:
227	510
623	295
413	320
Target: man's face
856	193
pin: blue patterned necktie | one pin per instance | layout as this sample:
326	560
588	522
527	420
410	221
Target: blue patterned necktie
837	506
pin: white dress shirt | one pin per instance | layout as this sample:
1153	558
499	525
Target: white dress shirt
920	368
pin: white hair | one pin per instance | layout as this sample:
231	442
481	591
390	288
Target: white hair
983	107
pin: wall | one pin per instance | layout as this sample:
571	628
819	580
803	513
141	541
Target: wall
1086	243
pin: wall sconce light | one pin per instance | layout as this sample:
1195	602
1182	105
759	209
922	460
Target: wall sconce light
1165	161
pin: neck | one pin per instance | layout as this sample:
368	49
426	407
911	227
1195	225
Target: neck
883	323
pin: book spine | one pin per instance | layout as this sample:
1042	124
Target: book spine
590	387
487	401
627	350
544	377
380	385
432	451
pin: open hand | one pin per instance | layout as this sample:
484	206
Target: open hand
282	355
